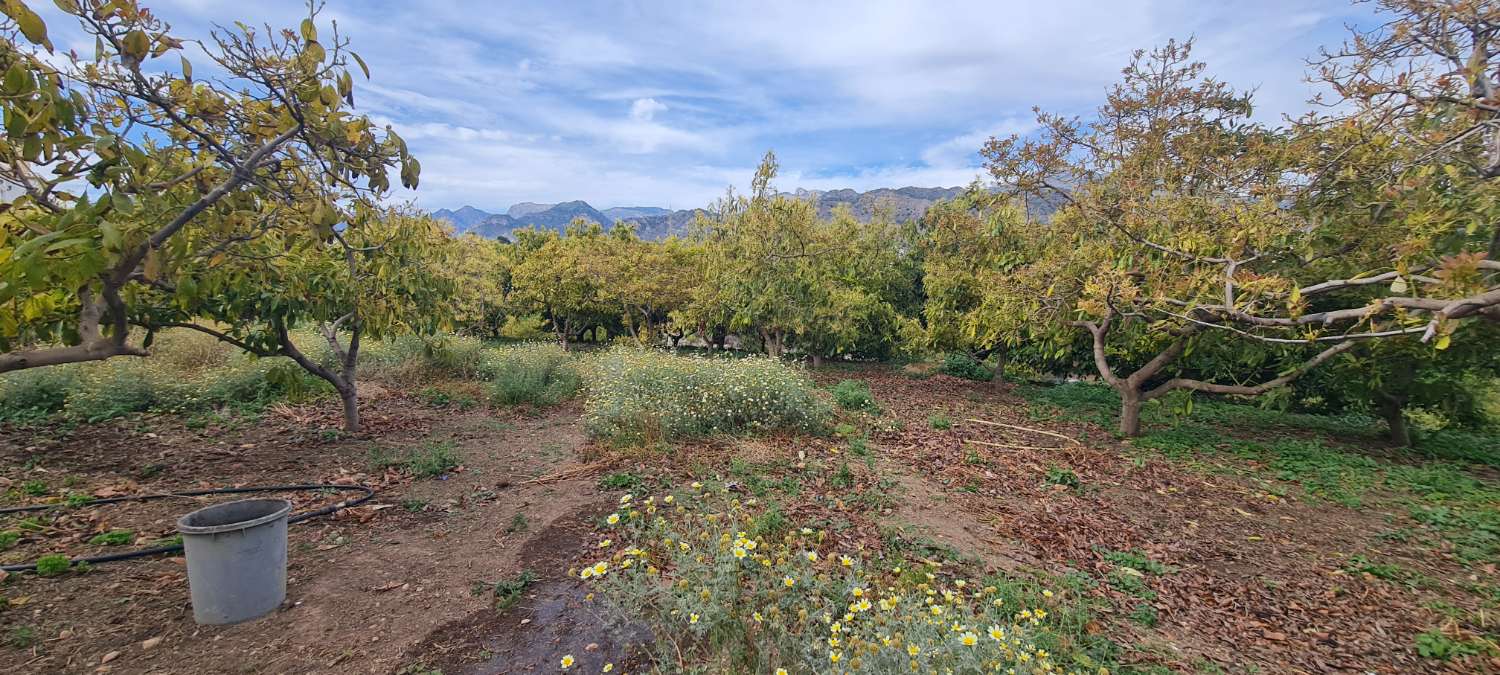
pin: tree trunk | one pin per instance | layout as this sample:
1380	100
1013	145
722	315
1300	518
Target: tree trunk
350	396
1130	413
1393	410
997	378
817	360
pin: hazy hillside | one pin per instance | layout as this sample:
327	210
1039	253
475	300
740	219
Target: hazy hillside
655	223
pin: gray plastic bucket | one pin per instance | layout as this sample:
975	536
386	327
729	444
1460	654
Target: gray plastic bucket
236	559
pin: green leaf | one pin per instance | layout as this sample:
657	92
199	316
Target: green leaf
362	65
309	31
31	25
136	44
187	69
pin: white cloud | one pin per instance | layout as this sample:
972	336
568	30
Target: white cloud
643	109
516	101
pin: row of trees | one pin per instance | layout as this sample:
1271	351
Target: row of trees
1184	245
242	202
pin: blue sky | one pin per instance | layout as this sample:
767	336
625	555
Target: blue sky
667	103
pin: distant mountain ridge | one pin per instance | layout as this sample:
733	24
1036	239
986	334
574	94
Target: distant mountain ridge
657	223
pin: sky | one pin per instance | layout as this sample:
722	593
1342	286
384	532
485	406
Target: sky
668	103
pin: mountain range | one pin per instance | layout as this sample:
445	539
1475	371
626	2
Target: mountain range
658	223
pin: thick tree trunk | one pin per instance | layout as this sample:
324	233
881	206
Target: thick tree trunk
997	378
1130	413
350	397
817	361
1393	410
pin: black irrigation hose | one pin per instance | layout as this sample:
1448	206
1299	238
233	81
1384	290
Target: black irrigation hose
158	550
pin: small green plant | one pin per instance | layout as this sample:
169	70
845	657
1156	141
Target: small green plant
1434	644
52	565
1130	581
414	505
843	479
621	481
8	538
854	395
174	540
77	499
518	524
964	366
507	592
859	447
427	461
442	398
1057	475
1136	560
1144	614
113	538
940	422
22	637
34	488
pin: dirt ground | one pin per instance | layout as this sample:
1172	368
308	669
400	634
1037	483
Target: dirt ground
363	588
402	585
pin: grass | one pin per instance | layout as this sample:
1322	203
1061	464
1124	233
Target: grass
940	422
507	592
113	538
429	460
189	373
646	397
53	565
623	480
854	395
539	374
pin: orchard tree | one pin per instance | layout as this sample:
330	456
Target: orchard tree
773	269
647	280
560	278
1182	216
480	274
972	244
756	248
117	164
857	274
383	272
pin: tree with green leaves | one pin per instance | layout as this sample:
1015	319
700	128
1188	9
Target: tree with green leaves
385	272
1182	217
134	181
562	278
971	245
774	270
481	279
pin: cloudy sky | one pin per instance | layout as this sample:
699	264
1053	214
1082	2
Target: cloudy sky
667	103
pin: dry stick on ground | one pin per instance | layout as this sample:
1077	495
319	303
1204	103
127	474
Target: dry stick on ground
1009	445
1071	441
566	473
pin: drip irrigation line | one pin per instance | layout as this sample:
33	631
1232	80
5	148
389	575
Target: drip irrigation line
173	548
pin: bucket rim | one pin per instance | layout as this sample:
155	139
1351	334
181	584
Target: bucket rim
279	509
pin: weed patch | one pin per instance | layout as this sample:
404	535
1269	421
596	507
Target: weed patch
426	461
649	397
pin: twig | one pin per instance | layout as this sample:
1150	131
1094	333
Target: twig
1027	429
565	474
1009	445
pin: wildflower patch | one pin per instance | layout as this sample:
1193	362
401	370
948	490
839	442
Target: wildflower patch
720	598
644	397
